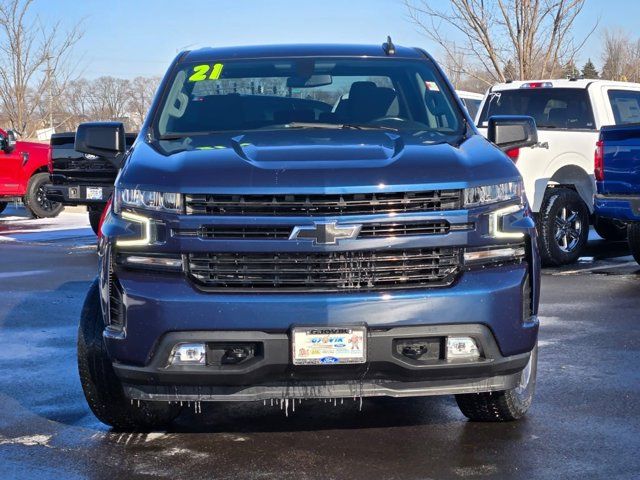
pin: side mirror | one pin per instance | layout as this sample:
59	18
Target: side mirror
512	131
105	139
9	143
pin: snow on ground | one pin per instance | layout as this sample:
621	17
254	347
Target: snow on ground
17	226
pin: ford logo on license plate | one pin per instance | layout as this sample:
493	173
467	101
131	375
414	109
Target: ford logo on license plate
329	360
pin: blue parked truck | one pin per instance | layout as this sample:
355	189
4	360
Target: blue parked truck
617	171
310	221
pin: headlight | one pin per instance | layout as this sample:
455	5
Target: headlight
476	196
157	201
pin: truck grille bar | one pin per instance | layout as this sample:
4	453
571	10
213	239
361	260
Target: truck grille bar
283	232
323	205
326	271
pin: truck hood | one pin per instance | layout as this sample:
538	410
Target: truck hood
313	161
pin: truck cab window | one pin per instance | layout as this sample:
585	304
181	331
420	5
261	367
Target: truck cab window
625	105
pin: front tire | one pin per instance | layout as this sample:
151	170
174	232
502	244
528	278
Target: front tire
563	227
101	386
634	240
36	200
505	405
612	230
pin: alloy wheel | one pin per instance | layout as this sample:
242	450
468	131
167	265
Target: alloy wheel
568	229
43	201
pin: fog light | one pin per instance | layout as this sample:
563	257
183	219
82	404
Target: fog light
462	348
189	354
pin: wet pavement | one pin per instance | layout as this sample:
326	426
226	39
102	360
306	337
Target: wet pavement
584	423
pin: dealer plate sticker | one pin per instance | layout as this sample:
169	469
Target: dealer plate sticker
94	193
329	346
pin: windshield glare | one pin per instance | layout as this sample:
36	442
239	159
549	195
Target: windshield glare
245	95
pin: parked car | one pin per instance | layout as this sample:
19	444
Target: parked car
471	101
81	179
617	170
263	248
558	170
23	175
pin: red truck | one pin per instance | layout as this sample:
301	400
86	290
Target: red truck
24	174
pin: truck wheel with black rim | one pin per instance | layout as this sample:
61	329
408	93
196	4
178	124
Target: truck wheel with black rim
101	386
95	214
563	227
609	229
634	240
36	200
504	405
3	205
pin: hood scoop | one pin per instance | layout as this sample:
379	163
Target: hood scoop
328	149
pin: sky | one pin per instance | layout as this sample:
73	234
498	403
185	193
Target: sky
128	38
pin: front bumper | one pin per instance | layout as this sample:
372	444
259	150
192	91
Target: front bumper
163	310
271	374
76	194
618	207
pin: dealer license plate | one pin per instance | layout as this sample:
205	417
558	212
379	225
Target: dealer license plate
94	193
329	346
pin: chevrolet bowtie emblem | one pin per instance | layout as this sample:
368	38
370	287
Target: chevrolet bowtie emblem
325	233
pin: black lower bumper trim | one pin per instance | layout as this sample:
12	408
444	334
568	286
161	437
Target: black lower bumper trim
271	373
305	390
76	194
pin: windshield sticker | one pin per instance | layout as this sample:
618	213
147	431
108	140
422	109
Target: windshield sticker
431	86
200	72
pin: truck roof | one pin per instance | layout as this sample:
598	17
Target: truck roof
467	94
297	50
563	83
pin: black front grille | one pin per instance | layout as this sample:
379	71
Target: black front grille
322	205
81	170
327	271
283	232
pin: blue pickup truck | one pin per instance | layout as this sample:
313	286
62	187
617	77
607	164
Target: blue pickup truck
310	222
617	171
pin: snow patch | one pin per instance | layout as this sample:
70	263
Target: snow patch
154	436
175	451
28	440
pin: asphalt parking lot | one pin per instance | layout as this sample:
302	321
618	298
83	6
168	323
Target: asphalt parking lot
584	424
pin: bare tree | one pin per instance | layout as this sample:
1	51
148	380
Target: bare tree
109	98
34	59
534	35
75	104
454	65
142	90
620	56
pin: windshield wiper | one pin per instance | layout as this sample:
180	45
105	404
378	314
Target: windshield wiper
339	126
180	136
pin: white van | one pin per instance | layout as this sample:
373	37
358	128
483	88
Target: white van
471	100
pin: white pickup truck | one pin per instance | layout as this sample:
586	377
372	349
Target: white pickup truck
558	170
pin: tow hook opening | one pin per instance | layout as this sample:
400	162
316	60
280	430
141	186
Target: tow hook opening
419	349
221	354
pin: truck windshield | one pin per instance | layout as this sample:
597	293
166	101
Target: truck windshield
296	93
561	108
